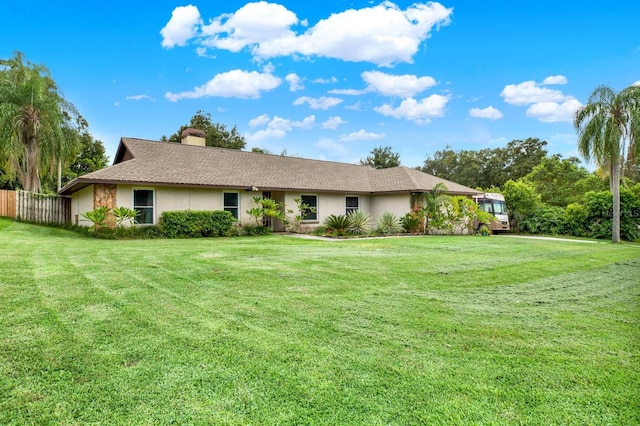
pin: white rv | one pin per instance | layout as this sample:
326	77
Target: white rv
493	203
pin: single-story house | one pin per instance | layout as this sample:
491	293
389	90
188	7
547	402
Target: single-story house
153	177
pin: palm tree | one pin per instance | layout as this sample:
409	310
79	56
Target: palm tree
426	205
608	128
34	121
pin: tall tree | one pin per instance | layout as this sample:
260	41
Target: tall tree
444	164
382	158
521	156
608	128
216	134
562	181
35	121
488	167
521	199
88	156
91	157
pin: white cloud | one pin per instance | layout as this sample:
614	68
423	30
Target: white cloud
140	98
420	112
333	123
489	113
232	84
277	127
347	92
295	82
306	123
251	25
362	135
325	80
553	112
261	135
259	121
403	86
382	34
555	79
546	105
637	83
322	102
182	26
529	92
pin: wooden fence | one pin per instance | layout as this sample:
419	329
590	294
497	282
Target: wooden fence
8	203
37	208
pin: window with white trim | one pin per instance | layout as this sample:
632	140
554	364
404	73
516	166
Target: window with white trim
353	204
231	203
144	203
311	212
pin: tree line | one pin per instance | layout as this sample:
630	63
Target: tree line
550	194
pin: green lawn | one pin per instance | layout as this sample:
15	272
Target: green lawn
280	330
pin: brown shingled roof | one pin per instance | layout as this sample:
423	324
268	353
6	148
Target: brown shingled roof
166	163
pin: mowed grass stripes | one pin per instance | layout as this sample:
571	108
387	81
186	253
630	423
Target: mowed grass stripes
279	330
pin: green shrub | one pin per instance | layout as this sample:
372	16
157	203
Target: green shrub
338	225
359	222
105	233
98	217
575	219
410	223
388	223
546	219
599	206
196	223
320	230
253	230
124	215
144	232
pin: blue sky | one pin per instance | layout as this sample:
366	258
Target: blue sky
333	79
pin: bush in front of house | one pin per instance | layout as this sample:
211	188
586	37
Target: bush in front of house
388	223
251	230
196	223
410	223
337	224
355	223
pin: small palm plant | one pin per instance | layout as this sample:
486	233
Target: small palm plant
411	223
338	224
98	217
124	215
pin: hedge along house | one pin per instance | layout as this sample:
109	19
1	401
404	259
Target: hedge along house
154	177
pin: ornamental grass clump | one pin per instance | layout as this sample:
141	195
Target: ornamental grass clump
360	223
388	223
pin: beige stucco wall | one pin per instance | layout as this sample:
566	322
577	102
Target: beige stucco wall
81	202
176	198
328	204
167	199
398	204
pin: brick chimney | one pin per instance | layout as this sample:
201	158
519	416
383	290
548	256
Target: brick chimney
193	137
